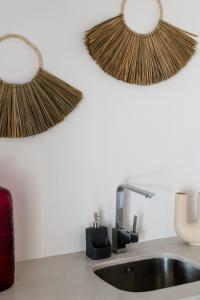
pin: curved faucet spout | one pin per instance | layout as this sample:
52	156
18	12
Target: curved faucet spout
120	201
135	189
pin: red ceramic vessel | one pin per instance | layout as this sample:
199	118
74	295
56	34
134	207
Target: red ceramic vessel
7	261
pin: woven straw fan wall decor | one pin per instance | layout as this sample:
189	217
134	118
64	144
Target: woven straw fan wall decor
142	59
34	107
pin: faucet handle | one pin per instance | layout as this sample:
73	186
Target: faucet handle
135	224
134	233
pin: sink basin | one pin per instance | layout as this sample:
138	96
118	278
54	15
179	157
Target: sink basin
150	274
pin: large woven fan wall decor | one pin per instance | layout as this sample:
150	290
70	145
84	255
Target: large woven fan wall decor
34	107
135	58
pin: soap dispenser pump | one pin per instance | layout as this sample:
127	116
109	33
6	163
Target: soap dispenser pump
98	245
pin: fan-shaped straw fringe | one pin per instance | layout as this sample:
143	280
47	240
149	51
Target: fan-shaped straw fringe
34	107
142	59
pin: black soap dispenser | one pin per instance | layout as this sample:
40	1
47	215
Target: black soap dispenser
98	245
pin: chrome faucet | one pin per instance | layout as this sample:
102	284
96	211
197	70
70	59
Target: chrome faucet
120	236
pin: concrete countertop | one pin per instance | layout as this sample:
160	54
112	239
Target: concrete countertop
71	277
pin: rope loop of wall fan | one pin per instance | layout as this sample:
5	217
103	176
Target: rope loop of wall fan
160	5
27	42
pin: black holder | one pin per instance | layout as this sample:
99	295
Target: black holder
98	245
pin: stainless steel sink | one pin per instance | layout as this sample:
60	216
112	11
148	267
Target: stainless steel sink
150	274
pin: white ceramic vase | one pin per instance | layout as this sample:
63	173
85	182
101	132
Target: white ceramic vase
188	231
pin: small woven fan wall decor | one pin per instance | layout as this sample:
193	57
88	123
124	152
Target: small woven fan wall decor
34	107
136	58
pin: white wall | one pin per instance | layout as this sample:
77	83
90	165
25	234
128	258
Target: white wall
120	133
